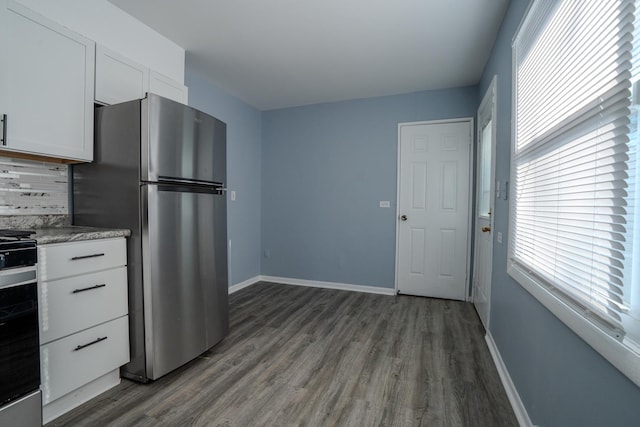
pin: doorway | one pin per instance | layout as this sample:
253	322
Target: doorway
485	203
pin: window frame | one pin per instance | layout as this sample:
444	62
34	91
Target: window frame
617	353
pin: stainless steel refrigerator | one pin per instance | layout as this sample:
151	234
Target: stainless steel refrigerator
160	171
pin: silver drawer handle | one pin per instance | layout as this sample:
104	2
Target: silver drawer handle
80	347
76	291
76	258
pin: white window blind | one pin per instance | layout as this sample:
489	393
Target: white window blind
573	160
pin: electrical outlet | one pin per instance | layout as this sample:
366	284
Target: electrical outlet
499	237
385	204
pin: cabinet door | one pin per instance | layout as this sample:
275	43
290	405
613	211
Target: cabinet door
164	86
119	79
46	86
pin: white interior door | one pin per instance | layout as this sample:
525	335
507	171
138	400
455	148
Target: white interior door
433	209
485	175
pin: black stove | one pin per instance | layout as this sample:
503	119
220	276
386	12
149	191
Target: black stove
20	397
17	249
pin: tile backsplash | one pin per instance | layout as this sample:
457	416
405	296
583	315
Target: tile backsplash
33	188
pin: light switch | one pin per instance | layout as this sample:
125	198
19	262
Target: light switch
499	237
233	195
385	204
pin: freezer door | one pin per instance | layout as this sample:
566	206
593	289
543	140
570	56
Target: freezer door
180	143
184	274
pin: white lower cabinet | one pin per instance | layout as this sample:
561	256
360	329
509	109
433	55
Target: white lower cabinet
76	360
84	322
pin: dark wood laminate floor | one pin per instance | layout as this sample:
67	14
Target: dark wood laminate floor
319	357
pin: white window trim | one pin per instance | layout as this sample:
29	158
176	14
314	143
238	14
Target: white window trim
625	359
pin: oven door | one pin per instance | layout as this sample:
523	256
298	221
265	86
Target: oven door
19	345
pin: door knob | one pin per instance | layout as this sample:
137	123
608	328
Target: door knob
403	217
486	229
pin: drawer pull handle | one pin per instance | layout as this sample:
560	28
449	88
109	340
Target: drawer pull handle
76	291
4	129
80	347
76	258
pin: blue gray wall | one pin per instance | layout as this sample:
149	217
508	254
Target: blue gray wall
325	169
561	380
309	183
243	171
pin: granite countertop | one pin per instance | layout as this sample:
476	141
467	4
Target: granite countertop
57	228
75	233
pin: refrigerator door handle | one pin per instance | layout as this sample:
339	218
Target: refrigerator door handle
169	179
190	188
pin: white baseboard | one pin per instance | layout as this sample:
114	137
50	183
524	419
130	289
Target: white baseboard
242	285
329	285
512	393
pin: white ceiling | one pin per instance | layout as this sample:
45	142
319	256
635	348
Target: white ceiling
282	53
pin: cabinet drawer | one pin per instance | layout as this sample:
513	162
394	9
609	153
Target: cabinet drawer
71	362
69	259
80	302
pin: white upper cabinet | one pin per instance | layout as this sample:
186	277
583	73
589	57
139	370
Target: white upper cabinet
46	87
119	79
164	86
